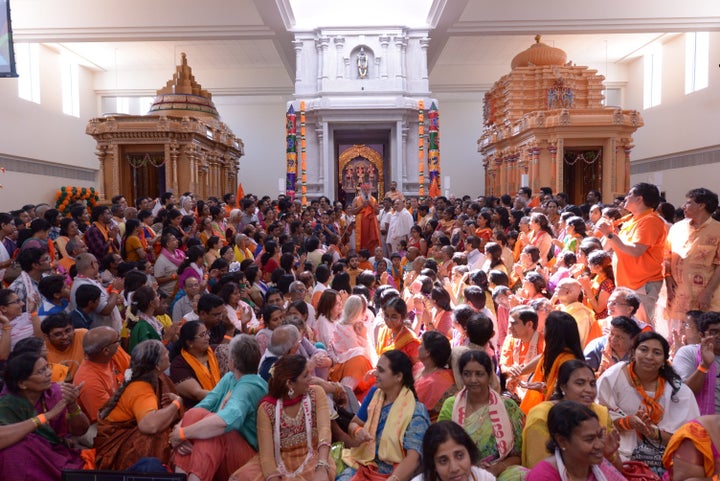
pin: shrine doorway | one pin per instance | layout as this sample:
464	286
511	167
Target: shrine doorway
363	160
142	174
582	172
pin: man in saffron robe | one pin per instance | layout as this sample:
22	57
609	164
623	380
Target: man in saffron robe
367	230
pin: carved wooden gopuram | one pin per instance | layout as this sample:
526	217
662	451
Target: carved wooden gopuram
181	145
545	125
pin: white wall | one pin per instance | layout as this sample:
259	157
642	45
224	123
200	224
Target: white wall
260	123
460	127
681	122
42	132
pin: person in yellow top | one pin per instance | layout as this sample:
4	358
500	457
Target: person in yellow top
568	294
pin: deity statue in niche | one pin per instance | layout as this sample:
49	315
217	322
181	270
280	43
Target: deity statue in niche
362	64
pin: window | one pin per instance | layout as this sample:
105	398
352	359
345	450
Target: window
652	80
697	58
28	68
70	87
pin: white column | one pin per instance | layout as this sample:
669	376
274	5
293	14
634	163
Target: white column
339	45
298	46
401	73
424	44
384	42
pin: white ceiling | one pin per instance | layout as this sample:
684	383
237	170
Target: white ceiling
475	36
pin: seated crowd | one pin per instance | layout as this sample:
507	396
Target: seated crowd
250	339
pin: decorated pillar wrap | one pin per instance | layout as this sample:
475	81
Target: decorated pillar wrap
434	150
303	155
291	151
421	149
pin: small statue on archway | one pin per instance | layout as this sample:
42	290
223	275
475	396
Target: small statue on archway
362	64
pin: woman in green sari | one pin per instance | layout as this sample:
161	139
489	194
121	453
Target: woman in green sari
486	415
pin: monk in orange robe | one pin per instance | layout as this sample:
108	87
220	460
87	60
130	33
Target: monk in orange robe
367	230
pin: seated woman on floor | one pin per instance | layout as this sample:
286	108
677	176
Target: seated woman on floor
135	423
219	435
692	452
43	414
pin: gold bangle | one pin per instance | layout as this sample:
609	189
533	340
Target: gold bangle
77	411
36	421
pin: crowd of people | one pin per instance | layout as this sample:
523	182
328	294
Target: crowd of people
437	339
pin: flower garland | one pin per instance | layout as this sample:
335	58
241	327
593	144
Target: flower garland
68	195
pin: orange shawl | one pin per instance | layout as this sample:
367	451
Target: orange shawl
208	378
532	397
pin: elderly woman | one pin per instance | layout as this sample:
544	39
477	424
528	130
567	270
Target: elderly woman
647	400
436	381
484	414
298	449
219	435
352	349
388	428
135	423
194	368
44	414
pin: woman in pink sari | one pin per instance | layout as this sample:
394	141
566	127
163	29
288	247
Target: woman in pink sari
577	441
436	382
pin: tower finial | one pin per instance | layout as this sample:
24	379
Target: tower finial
537	38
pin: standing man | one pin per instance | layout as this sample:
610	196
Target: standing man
639	245
692	257
101	236
365	209
399	228
393	193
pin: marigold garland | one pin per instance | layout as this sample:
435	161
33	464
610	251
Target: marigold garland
67	195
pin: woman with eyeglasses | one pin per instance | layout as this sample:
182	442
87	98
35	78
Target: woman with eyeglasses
37	418
194	368
16	324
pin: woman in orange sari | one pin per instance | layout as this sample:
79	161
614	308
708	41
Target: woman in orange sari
395	334
693	449
293	425
436	382
562	343
194	368
367	230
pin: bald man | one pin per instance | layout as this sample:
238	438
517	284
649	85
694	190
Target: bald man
102	369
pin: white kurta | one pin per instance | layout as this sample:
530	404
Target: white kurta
617	393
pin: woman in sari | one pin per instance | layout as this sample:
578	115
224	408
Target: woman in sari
484	414
449	454
167	263
647	400
395	334
44	414
135	423
272	317
68	230
562	343
436	381
541	235
144	304
353	352
576	447
389	427
576	382
293	424
194	368
692	451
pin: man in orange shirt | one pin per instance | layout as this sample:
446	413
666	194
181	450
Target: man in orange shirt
64	342
639	245
97	372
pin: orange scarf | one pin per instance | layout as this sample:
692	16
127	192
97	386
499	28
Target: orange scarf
207	378
654	409
106	235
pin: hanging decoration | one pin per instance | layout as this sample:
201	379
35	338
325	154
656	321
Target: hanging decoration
434	150
291	152
421	149
68	195
303	156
